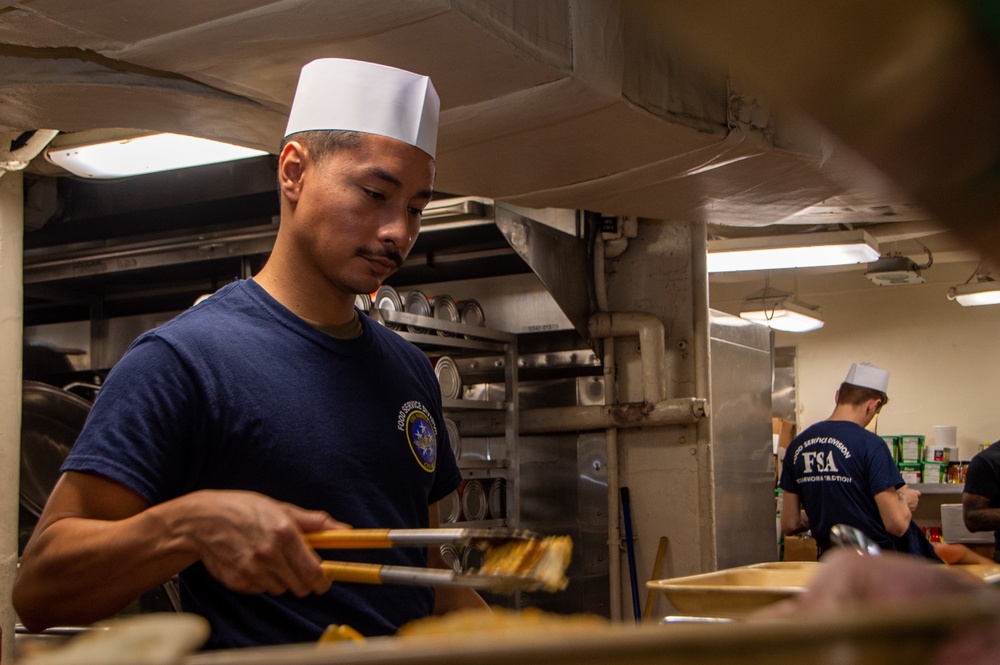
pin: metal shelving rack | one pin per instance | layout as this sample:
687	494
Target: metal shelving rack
458	339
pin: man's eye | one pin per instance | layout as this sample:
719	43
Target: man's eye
378	196
417	212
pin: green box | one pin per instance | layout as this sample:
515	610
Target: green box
934	472
912	472
893	443
909	447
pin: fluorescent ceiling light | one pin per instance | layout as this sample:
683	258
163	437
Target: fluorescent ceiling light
807	250
986	292
144	154
778	310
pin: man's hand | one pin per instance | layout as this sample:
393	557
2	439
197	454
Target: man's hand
908	496
254	544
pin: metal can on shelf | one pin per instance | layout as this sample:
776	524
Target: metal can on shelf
445	309
387	298
454	436
363	301
473	500
471	312
450	508
472	558
416	303
496	499
449	377
451	557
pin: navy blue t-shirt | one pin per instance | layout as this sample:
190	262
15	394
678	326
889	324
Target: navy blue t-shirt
239	393
837	467
983	478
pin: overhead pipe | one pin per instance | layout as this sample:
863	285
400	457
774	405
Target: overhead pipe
18	158
652	346
551	420
610	442
611	462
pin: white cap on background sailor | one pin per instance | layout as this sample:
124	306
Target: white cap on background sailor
352	95
867	375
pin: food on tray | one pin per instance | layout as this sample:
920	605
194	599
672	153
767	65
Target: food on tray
499	620
340	633
145	639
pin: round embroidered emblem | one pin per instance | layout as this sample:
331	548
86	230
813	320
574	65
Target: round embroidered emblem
423	442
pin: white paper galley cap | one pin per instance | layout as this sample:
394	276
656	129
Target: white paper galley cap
352	95
868	376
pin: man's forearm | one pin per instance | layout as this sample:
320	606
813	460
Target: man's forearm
82	570
982	519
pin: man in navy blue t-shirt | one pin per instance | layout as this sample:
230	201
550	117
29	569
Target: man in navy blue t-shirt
838	472
273	408
981	497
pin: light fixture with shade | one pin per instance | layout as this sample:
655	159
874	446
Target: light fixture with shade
805	250
109	156
780	310
984	291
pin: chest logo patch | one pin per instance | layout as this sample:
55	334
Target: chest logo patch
421	434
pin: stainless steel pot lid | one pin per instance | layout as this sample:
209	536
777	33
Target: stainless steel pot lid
51	419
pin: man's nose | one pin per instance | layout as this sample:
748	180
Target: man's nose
398	228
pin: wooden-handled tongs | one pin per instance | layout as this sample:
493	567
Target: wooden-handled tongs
500	572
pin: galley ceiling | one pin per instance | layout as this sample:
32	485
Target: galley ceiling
742	116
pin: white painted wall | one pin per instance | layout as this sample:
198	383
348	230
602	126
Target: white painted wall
944	358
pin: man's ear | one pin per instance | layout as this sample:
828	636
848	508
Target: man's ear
291	167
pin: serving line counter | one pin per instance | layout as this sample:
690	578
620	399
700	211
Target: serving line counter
853	636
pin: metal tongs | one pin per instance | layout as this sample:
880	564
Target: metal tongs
854	539
372	573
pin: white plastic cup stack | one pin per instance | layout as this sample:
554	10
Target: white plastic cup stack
946	436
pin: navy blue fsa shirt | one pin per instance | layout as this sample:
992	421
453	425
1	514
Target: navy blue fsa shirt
837	467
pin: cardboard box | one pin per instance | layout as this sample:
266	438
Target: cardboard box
799	548
783	431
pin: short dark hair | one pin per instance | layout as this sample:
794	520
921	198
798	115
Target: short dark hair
324	142
855	395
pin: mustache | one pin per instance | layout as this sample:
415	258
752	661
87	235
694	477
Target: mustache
384	253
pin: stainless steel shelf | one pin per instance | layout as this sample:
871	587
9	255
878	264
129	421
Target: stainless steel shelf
938	488
472	404
480	464
445	333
